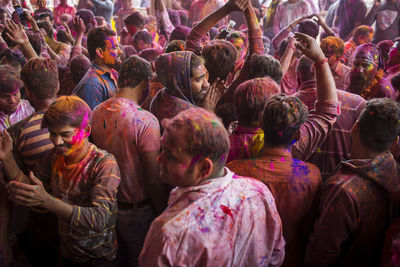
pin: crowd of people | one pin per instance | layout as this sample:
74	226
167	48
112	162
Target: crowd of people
199	133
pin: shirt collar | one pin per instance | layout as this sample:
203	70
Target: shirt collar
276	151
101	71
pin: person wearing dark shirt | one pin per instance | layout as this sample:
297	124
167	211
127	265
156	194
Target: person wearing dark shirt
350	14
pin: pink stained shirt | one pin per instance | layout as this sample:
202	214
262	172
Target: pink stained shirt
341	75
59	10
226	221
122	128
23	110
287	12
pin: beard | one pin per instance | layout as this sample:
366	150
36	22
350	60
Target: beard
358	83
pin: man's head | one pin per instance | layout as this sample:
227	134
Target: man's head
367	61
47	27
394	55
281	120
176	45
47	16
68	121
127	4
174	17
136	72
88	18
333	48
40	76
183	15
309	27
78	66
195	145
305	70
265	65
378	125
142	40
10	86
179	33
363	34
250	98
37	41
102	44
220	57
199	77
41	3
63	2
134	22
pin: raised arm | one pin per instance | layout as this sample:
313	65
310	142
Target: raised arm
163	17
18	36
286	58
321	22
80	32
193	40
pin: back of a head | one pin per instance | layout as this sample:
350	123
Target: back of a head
220	58
361	31
133	71
97	39
383	116
250	98
67	111
150	54
183	17
281	119
40	76
78	66
87	16
9	80
332	45
135	19
37	41
179	33
12	58
305	69
62	37
144	36
129	50
263	66
176	45
309	27
202	132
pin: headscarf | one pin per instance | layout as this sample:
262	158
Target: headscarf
371	53
173	71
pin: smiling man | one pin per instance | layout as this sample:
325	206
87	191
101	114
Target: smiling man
100	82
76	181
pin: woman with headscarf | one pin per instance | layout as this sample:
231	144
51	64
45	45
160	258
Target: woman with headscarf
185	81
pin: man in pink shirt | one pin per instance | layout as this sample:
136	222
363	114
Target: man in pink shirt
132	135
214	217
62	8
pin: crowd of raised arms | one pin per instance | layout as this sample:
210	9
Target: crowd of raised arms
199	133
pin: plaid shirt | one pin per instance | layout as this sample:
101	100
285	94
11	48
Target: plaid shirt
337	144
97	86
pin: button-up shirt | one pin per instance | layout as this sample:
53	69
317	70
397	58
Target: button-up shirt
23	110
341	75
225	221
97	86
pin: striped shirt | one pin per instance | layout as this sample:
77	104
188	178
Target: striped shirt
23	110
31	143
91	187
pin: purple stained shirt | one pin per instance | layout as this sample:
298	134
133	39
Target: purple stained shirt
23	110
349	14
203	226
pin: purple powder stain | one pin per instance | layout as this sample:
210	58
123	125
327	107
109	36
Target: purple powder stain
205	230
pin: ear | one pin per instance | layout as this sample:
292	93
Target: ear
206	168
395	142
88	130
99	52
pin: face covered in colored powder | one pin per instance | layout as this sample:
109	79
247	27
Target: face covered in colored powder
363	72
67	139
177	168
112	53
199	82
9	101
240	48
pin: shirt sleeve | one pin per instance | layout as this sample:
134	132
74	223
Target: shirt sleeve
277	19
150	137
338	218
103	204
163	19
194	40
316	128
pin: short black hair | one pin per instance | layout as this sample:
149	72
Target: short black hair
383	116
143	35
97	38
135	19
133	71
263	66
281	119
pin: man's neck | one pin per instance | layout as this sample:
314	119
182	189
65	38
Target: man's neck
79	154
279	151
130	93
293	1
44	104
101	64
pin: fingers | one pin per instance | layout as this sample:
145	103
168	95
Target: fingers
34	179
7	135
14	185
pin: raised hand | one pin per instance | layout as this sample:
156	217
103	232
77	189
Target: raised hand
6	145
214	93
17	31
309	46
79	25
